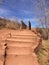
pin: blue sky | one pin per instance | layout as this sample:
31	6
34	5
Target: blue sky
22	9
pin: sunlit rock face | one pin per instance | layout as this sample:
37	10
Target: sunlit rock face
17	47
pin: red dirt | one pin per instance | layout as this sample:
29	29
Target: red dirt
19	47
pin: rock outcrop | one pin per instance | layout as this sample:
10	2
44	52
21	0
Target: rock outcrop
29	25
23	25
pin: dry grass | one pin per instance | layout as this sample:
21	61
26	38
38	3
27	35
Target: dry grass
5	23
43	54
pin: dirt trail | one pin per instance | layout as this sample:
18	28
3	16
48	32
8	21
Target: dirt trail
18	47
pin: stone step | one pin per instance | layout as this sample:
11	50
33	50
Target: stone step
32	45
17	41
20	40
19	51
31	35
19	44
20	32
22	37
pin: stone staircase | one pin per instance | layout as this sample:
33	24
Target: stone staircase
18	48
